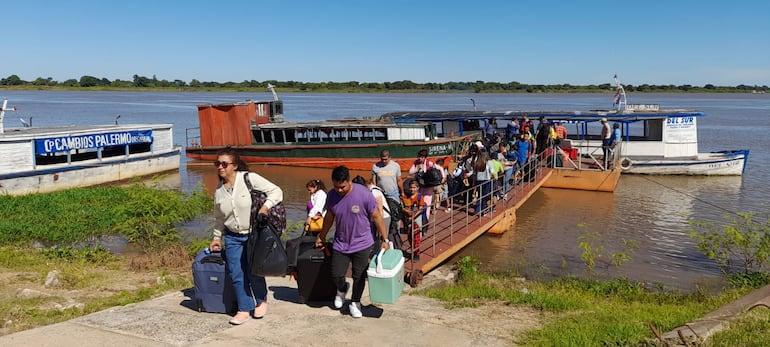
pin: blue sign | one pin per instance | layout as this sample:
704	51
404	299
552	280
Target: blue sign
91	141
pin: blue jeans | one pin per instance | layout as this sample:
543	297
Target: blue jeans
484	188
507	178
246	286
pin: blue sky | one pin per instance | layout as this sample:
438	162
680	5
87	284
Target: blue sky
534	42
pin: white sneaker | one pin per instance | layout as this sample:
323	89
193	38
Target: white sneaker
355	310
339	299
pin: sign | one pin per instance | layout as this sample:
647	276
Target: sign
91	141
680	130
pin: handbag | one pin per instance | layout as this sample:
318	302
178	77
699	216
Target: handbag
316	224
265	250
276	215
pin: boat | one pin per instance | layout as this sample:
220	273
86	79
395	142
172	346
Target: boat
260	134
654	141
47	159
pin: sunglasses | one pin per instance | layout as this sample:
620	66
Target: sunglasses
223	164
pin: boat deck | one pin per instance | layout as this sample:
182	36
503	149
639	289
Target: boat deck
447	232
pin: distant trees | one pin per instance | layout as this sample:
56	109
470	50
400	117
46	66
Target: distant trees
138	81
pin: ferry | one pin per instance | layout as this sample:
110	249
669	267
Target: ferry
260	134
653	140
46	159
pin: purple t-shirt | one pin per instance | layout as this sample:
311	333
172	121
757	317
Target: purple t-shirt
353	231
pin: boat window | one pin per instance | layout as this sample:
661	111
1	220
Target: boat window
649	130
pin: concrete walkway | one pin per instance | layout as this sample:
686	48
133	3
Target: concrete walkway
170	320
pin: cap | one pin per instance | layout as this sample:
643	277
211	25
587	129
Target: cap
604	119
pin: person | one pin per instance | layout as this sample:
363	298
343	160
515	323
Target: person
561	131
526	123
512	130
422	164
351	208
484	172
542	135
382	204
414	216
386	174
523	153
605	135
616	135
490	130
232	224
316	206
441	192
509	159
498	171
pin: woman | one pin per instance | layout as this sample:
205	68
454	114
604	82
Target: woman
484	173
232	212
422	164
316	207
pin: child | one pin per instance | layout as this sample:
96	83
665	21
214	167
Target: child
414	217
442	191
316	206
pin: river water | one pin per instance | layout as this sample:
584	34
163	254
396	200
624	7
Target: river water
652	211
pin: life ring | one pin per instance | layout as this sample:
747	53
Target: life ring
625	164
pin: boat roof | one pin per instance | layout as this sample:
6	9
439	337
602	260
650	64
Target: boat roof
36	132
576	116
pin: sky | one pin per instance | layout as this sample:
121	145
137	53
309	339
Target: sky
696	42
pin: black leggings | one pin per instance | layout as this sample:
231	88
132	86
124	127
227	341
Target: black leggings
340	262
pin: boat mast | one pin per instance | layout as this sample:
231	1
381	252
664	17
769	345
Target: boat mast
619	100
2	114
271	88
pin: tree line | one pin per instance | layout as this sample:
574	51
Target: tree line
91	82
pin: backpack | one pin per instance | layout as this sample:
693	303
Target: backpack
429	178
390	205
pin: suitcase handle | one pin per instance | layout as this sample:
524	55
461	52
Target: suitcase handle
212	258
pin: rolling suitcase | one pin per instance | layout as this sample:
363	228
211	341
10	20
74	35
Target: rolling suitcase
212	285
313	273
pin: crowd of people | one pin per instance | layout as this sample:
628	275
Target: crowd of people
367	213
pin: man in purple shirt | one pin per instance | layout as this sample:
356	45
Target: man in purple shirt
351	206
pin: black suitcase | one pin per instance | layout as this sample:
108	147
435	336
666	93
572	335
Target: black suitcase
212	284
313	273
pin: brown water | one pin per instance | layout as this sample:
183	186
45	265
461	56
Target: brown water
652	211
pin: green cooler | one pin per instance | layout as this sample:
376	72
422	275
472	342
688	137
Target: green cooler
386	276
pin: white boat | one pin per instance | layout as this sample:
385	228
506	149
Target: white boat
665	142
46	159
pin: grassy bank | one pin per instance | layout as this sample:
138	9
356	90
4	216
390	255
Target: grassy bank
65	277
590	313
141	214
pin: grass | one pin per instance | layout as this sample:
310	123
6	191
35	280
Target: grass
584	312
143	215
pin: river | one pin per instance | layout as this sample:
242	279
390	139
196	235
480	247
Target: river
652	211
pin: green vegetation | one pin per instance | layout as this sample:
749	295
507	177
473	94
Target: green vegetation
741	245
143	215
593	252
584	312
154	84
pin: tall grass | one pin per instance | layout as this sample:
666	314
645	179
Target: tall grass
142	214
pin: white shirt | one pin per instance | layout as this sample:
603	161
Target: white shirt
318	199
232	210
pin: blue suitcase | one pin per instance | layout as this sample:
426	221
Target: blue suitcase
212	284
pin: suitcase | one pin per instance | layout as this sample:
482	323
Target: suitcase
213	288
313	273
